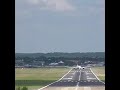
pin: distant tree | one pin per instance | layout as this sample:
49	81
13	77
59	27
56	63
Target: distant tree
67	58
18	88
24	88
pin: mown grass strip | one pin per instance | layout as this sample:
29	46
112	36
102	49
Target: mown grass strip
100	72
32	82
102	78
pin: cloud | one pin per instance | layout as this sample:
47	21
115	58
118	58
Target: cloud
53	5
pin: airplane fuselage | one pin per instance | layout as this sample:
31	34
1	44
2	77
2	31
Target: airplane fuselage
78	67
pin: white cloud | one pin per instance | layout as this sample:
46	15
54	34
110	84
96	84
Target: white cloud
54	5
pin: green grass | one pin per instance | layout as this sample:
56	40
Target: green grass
39	73
100	72
102	78
38	77
31	87
33	82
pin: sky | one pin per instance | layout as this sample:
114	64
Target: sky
59	26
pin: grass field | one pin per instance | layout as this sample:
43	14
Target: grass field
100	72
35	78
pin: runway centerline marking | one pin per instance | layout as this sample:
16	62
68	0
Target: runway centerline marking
78	80
77	86
80	75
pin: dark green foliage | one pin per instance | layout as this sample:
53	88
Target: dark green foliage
18	88
58	54
68	58
32	82
24	88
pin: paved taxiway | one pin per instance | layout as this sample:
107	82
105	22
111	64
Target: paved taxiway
77	79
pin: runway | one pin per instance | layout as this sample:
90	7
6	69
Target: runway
77	79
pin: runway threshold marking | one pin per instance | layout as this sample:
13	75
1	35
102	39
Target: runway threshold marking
90	78
67	78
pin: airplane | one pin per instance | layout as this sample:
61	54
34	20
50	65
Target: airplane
79	67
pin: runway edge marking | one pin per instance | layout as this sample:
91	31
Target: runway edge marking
55	81
97	77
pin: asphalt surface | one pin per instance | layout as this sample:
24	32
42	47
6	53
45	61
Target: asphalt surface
76	79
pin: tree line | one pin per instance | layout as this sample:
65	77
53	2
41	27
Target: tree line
67	58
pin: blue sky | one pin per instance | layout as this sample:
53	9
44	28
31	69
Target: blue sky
59	26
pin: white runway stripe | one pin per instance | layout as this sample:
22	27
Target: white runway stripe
91	78
87	88
67	78
96	76
77	86
56	81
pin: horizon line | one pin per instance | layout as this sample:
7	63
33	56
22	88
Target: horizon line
61	52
